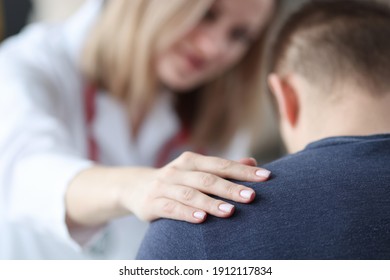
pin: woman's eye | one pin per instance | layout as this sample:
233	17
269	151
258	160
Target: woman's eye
210	16
240	35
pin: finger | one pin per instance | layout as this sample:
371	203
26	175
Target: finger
248	161
221	167
171	209
196	199
210	184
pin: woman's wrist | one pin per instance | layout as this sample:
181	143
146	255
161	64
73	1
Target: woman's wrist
133	189
94	196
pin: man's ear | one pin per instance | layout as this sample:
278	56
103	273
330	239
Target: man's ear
286	97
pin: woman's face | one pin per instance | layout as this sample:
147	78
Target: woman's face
215	44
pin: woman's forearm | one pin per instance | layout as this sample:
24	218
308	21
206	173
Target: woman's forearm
94	196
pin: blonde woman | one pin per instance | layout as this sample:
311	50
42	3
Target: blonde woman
97	113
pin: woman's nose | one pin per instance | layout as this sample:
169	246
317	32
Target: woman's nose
211	43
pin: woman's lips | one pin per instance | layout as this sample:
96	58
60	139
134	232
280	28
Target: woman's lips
194	62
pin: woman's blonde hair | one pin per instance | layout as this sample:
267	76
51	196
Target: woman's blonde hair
119	55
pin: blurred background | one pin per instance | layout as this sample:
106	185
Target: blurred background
15	14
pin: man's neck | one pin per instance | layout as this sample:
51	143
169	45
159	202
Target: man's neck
355	117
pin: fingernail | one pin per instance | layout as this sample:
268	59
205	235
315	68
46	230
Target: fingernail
199	215
247	194
263	173
227	208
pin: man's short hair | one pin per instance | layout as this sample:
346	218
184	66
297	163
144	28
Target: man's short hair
328	42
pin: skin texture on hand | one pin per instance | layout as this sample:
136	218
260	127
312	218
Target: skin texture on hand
178	190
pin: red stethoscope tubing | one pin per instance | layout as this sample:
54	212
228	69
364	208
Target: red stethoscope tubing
90	112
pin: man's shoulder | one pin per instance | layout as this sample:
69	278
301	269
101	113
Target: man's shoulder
333	157
171	239
312	202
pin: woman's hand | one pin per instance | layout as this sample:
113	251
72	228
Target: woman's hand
180	189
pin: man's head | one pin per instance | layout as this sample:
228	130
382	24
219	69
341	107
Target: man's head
331	71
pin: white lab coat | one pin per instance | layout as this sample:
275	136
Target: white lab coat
43	143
